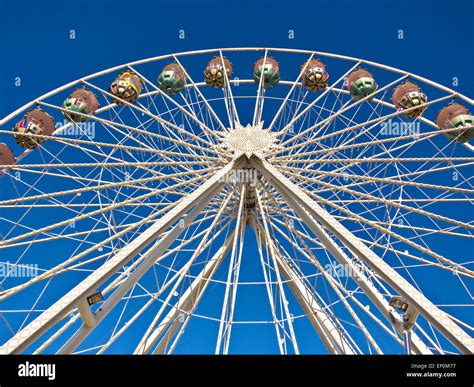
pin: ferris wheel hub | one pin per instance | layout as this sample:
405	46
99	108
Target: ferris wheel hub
249	140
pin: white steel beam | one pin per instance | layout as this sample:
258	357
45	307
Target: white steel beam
162	289
308	254
227	314
267	278
144	342
272	254
24	338
187	303
151	257
325	327
359	276
366	285
304	203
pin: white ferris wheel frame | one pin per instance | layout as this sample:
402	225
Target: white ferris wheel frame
315	216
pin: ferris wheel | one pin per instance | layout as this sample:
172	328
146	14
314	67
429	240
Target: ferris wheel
239	199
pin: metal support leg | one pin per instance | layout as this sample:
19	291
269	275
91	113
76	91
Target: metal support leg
407	337
53	314
305	205
152	256
187	303
143	344
322	323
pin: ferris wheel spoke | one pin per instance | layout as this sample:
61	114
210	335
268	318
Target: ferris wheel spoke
67	222
72	236
326	153
96	246
392	224
155	117
73	173
133	164
78	179
90	154
173	251
420	210
385	151
311	162
428	231
229	106
408	174
352	176
260	98
346	107
305	250
390	202
375	121
199	109
208	131
422	261
56	271
357	217
63	267
348	138
292	109
145	141
420	203
218	152
325	156
178	136
285	129
285	101
136	183
116	146
180	330
56	203
113	125
201	95
56	158
271	252
412	137
53	204
326	122
268	287
227	315
201	112
112	185
155	330
233	114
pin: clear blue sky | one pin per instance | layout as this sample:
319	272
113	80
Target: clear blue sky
35	40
